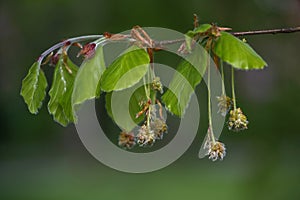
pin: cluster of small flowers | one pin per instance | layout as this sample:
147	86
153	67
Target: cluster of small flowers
145	136
159	127
215	149
126	140
237	120
147	133
224	104
157	85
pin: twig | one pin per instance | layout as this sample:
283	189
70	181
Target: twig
256	32
167	42
271	31
160	44
70	40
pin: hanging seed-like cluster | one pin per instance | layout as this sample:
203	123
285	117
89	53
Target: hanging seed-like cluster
224	104
152	130
126	140
215	149
146	136
157	85
237	120
159	127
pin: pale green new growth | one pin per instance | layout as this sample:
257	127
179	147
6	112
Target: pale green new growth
33	88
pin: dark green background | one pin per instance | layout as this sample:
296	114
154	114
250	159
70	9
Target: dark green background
42	160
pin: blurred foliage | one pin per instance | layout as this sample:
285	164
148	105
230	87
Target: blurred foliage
41	160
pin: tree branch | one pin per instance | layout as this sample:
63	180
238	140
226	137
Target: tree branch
256	32
271	31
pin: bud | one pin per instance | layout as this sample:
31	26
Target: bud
87	51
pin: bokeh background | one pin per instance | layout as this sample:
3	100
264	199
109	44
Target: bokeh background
39	159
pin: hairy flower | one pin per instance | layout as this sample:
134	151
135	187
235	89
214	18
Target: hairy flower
237	120
224	104
157	85
126	140
159	127
145	136
216	151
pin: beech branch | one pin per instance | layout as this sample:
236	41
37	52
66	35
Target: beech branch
165	42
243	33
271	31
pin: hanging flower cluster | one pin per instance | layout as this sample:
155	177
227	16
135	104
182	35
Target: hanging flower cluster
215	149
224	104
152	130
237	120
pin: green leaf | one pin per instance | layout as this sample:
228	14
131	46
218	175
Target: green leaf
134	60
34	88
237	53
183	84
199	30
138	96
202	28
60	105
88	76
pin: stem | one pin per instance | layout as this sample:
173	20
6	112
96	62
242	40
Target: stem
232	88
158	44
145	88
270	31
148	117
242	33
63	43
210	127
222	73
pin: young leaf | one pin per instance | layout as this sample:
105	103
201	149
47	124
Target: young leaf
137	97
199	30
61	90
136	61
88	76
189	75
202	28
34	88
237	53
